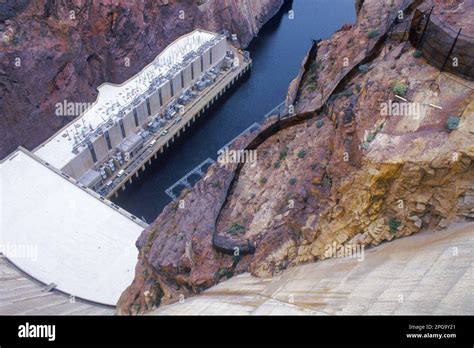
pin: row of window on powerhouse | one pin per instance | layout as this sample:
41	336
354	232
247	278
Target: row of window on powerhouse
140	115
184	97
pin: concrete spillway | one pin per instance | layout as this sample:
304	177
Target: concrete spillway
21	294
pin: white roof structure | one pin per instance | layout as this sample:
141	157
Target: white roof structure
113	98
58	233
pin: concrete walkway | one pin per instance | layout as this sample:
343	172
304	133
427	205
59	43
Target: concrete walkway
20	294
428	273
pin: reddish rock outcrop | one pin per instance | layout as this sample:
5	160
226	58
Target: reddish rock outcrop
51	51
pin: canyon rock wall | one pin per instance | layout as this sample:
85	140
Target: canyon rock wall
348	174
53	51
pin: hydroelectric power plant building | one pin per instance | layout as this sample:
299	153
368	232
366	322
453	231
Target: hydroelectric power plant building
118	123
57	224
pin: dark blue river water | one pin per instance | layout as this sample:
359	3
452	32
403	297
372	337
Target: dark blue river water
277	54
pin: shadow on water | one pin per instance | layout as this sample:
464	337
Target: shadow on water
276	53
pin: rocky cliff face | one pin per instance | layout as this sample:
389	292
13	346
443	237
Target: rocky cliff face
358	171
52	51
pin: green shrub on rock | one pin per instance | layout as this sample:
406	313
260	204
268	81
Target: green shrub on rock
370	137
283	153
372	33
301	153
452	123
400	89
236	228
363	68
417	54
393	224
